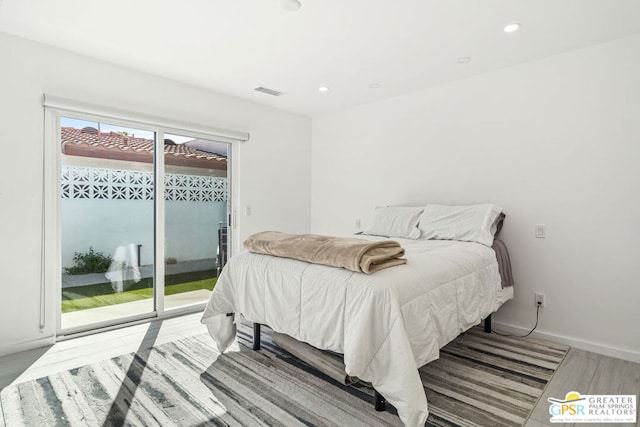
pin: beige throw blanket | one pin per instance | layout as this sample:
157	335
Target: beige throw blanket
353	254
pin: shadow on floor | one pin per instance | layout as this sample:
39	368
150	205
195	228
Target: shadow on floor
14	365
120	407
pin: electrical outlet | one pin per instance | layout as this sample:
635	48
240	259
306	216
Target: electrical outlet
541	231
539	300
357	224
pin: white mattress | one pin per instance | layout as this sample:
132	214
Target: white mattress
387	324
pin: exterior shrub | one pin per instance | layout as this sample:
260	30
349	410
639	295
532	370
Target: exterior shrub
90	262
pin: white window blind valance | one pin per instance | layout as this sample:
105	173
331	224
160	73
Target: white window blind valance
168	125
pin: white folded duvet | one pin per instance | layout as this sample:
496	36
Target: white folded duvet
387	324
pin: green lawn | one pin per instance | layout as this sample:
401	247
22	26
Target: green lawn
95	296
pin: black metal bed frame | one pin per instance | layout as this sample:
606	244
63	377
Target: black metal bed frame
380	402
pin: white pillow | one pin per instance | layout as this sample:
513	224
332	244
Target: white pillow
395	221
475	223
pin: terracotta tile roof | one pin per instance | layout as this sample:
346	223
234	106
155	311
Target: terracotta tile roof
113	145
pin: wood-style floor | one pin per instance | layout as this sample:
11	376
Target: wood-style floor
588	373
581	371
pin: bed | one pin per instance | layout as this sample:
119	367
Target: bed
386	324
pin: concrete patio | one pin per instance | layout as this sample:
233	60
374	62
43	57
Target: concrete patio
116	311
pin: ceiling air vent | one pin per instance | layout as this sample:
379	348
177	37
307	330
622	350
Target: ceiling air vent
268	91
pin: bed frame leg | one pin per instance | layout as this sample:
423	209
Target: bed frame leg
487	324
256	336
380	402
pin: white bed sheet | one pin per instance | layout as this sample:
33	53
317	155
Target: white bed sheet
387	324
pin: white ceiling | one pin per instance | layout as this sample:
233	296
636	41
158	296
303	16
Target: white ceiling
233	46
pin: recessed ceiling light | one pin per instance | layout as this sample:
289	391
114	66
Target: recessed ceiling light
463	59
375	86
512	27
323	89
290	5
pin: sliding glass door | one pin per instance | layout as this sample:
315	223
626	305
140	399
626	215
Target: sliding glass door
107	222
124	254
195	212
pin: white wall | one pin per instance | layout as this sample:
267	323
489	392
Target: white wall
191	228
555	141
273	166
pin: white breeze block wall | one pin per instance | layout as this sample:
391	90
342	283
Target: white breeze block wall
107	208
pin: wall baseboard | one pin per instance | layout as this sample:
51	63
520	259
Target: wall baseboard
27	345
573	342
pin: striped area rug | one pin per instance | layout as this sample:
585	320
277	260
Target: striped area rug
480	380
